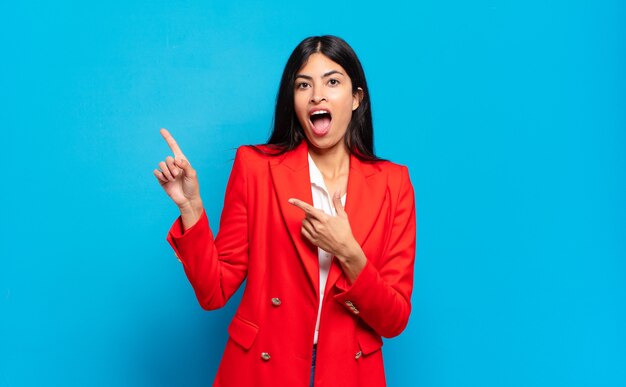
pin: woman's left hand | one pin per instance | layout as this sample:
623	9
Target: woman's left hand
330	233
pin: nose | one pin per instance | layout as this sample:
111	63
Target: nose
317	96
318	99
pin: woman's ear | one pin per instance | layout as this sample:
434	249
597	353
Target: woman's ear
357	97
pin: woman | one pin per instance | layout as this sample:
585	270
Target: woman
324	281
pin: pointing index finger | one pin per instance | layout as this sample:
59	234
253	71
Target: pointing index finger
172	144
307	208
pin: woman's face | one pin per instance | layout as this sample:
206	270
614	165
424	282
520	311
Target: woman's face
324	101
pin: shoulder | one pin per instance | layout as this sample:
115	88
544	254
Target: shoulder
399	183
250	154
391	167
397	174
257	152
256	158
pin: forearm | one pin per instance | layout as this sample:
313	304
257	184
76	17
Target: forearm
213	276
215	266
382	306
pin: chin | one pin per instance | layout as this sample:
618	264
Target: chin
323	143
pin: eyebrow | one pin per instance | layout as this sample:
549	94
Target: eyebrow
329	73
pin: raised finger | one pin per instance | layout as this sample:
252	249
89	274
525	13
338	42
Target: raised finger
338	204
174	170
166	171
172	144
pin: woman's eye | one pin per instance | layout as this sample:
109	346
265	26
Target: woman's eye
302	85
333	82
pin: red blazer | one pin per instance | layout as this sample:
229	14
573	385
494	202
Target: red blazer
271	335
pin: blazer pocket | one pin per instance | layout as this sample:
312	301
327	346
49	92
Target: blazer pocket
369	342
243	332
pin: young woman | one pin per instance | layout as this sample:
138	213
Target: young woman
323	230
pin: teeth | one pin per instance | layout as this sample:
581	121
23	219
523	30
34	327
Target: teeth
320	112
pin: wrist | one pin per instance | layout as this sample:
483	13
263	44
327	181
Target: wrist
192	207
353	262
352	253
190	213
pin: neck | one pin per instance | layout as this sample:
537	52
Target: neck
331	162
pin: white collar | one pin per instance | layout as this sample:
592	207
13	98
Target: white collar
315	175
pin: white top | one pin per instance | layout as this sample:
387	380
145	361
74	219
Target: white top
322	200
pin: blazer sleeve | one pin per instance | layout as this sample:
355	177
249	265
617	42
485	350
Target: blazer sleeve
216	267
381	295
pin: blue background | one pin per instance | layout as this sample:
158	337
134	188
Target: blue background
509	114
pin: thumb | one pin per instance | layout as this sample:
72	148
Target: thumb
338	206
185	166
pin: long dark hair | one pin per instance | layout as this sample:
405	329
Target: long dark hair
287	132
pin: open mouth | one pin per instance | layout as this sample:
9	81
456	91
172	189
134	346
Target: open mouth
320	122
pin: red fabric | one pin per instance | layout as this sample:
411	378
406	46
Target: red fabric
259	239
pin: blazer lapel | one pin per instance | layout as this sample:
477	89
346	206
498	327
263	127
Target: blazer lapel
366	193
367	186
290	175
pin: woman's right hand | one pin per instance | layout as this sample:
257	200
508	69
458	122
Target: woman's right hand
179	179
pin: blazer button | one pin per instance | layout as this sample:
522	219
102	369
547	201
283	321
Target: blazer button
358	355
265	356
276	301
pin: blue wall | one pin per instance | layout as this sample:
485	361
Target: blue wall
510	115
